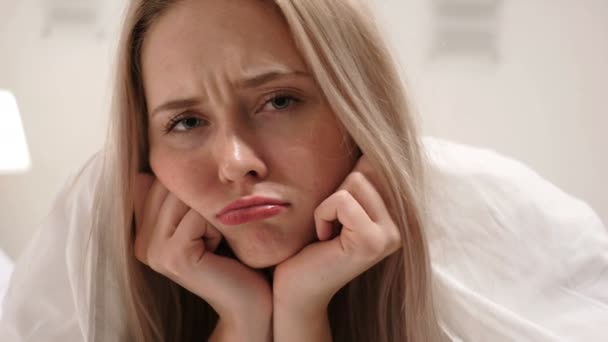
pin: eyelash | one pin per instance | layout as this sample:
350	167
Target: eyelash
174	121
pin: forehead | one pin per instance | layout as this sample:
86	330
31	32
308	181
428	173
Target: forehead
225	39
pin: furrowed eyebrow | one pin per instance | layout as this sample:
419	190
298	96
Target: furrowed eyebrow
176	104
251	82
266	77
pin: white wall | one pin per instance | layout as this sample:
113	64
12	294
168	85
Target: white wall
542	104
62	87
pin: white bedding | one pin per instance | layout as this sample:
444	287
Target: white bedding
6	268
514	258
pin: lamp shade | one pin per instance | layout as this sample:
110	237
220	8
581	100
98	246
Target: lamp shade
14	155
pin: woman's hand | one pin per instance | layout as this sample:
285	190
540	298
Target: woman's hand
304	284
177	242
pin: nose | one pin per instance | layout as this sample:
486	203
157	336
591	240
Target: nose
238	160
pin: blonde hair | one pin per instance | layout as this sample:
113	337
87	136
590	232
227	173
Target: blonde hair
346	53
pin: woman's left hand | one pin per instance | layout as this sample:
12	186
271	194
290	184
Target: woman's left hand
304	284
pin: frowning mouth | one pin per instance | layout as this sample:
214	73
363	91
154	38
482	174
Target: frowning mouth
248	209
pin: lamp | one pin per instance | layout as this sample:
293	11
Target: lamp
14	154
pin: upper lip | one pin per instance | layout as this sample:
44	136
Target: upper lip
250	201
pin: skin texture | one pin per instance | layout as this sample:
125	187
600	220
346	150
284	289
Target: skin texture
276	139
245	144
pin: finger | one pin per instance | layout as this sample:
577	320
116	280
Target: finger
365	167
145	228
153	203
212	238
193	227
366	194
143	183
171	213
221	282
343	207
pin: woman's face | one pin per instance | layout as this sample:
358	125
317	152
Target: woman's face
234	113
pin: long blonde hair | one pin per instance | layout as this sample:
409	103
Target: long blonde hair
347	55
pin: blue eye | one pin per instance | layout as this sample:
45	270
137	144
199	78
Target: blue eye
183	123
279	102
188	124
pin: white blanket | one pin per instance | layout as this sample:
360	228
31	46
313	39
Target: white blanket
514	259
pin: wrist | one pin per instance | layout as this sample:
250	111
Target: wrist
291	304
255	329
301	324
299	298
245	319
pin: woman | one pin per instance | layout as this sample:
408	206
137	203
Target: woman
281	108
262	180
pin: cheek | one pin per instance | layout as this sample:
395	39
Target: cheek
182	174
333	153
318	163
326	172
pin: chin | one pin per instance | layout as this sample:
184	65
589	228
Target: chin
265	246
265	259
260	256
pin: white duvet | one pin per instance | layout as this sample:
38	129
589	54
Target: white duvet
6	269
514	259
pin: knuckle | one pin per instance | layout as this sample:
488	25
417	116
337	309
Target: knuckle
356	177
172	265
384	243
353	180
396	239
347	208
154	263
343	196
392	240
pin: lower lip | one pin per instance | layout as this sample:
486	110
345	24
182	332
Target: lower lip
250	214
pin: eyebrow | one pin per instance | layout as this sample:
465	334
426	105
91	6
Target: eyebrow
269	76
246	83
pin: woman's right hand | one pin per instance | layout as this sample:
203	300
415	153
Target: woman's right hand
177	242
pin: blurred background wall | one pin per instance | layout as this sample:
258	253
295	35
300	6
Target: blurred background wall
524	78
